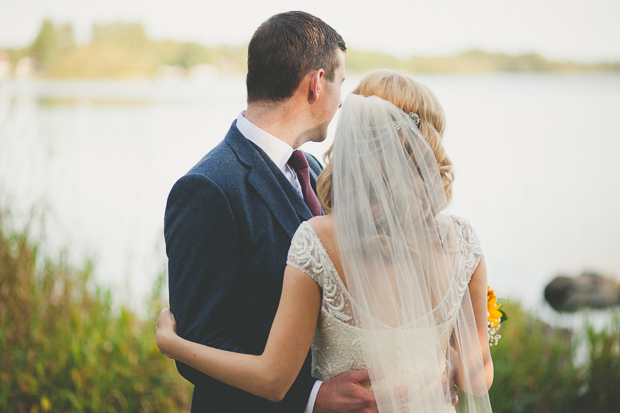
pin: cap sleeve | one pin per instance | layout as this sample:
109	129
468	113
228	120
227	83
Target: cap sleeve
470	245
304	253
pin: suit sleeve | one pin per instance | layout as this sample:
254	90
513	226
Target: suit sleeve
203	255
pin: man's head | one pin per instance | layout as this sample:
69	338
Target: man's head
284	49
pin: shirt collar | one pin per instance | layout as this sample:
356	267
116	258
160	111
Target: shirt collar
278	150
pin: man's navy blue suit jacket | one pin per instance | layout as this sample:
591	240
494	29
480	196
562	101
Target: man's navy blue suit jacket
228	227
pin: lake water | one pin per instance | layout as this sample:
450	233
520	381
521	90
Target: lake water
536	158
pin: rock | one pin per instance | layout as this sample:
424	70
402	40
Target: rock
588	290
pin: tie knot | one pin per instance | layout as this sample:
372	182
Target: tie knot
298	161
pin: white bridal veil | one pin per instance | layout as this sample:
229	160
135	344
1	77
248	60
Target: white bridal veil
402	262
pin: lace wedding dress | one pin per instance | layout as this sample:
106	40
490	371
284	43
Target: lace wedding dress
337	346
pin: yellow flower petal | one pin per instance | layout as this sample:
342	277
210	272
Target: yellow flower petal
493	308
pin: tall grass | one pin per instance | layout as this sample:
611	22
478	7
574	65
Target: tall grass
535	369
64	346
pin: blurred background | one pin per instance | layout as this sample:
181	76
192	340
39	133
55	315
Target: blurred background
104	105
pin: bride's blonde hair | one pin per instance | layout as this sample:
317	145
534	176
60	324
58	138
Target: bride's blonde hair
410	96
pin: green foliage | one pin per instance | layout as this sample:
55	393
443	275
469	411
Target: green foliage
475	61
123	50
186	55
130	35
227	59
52	43
104	60
45	46
601	378
362	62
535	368
65	347
118	50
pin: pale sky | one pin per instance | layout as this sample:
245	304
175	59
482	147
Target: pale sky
579	30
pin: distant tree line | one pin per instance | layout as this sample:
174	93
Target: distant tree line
124	50
120	50
474	61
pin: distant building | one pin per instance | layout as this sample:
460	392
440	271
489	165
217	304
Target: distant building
169	72
5	65
25	67
203	73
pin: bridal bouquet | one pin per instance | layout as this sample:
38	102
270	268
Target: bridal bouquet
495	315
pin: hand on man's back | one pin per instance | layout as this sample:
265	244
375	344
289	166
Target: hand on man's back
346	393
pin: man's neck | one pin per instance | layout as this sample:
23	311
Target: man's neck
283	120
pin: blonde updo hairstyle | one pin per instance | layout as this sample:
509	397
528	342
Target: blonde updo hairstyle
410	96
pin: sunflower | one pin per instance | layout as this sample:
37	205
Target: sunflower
495	315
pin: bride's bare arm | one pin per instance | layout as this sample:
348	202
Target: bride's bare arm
271	374
478	294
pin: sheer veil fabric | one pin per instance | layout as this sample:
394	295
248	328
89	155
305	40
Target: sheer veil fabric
401	261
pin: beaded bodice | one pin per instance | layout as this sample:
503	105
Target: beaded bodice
337	342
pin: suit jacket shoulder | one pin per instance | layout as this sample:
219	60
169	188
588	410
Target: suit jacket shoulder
314	163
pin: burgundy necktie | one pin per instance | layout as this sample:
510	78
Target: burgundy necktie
299	163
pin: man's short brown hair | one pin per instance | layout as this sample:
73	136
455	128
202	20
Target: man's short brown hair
284	49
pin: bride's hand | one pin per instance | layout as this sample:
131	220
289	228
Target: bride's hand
166	331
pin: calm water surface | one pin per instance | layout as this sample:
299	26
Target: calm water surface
535	154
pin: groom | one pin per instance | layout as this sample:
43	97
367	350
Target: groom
229	221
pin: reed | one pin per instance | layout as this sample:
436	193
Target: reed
537	368
64	346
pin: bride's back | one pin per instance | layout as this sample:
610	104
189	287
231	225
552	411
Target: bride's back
339	345
393	269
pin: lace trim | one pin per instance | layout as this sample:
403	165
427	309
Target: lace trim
309	256
470	245
465	264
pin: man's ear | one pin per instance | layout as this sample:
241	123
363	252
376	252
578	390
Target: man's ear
315	86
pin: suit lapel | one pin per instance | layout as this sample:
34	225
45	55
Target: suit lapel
275	190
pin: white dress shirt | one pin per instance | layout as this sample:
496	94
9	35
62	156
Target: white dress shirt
279	152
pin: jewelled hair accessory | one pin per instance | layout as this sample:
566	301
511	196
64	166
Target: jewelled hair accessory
415	117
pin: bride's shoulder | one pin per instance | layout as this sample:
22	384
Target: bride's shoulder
460	222
466	234
313	230
307	252
322	225
314	227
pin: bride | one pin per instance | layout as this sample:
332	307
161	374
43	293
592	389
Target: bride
384	281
